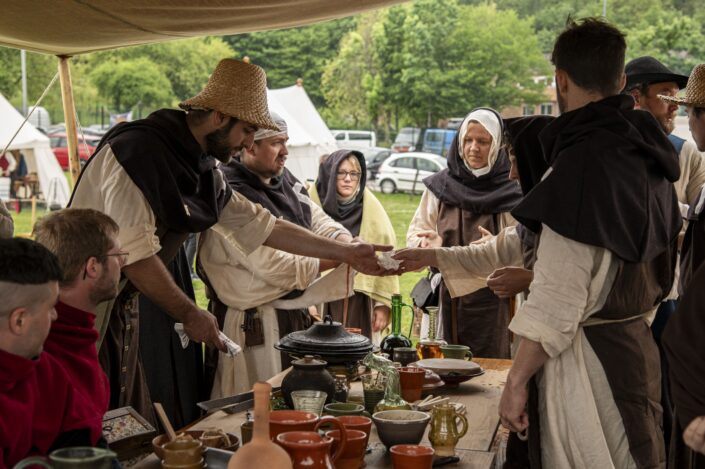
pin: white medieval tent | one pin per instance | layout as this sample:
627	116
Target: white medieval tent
68	27
40	160
309	136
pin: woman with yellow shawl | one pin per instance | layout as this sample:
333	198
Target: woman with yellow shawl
340	190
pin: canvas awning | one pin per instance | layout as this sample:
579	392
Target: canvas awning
69	27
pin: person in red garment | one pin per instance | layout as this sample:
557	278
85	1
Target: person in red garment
39	410
86	244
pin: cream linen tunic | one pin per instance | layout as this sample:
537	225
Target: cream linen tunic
106	187
580	424
248	281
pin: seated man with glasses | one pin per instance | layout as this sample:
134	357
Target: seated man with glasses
86	244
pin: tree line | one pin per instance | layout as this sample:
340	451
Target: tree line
411	64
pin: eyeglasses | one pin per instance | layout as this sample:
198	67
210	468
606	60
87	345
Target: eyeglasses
121	255
354	175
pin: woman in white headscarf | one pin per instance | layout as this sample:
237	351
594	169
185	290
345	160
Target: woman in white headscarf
473	192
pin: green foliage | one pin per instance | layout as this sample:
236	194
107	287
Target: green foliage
294	53
132	82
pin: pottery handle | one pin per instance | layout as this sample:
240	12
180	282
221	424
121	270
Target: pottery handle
465	425
325	420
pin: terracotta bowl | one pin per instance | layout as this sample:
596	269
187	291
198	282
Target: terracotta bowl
412	457
159	440
399	427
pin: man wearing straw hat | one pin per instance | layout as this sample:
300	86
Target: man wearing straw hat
157	178
683	337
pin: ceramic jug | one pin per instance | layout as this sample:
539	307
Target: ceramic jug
308	373
72	458
444	433
309	450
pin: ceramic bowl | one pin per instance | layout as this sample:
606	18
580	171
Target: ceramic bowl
399	427
197	465
159	440
412	457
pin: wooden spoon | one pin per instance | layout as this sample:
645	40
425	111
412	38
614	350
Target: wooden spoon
165	421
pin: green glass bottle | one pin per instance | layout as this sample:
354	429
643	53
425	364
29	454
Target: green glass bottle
396	338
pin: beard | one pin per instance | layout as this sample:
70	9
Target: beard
218	146
560	100
668	125
106	288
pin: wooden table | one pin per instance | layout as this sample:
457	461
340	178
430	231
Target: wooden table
481	398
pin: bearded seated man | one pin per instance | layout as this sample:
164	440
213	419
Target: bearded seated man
39	409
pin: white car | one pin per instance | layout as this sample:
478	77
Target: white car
405	171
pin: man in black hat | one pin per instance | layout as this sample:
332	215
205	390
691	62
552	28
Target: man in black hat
647	79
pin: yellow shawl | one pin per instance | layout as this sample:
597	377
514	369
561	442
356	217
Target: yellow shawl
376	228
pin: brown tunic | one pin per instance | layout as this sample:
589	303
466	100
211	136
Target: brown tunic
479	320
359	312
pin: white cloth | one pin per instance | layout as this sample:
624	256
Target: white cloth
580	424
231	347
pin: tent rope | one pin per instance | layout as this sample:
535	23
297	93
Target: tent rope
46	90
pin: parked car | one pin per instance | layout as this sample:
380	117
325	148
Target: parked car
438	141
61	152
374	158
355	139
408	139
405	171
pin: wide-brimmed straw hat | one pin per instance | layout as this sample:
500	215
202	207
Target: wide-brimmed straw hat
694	92
647	70
236	89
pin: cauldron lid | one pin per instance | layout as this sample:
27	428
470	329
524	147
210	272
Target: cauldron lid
326	336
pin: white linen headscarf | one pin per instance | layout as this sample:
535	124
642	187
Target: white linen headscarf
262	133
490	122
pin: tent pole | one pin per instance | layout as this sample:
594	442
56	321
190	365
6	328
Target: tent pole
69	116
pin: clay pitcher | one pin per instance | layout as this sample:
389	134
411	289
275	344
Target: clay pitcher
261	451
444	433
309	450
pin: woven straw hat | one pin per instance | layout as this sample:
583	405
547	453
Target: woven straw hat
236	89
694	92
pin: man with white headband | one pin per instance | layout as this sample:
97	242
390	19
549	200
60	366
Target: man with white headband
245	284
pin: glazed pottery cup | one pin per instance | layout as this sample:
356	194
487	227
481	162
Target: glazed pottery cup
309	450
411	380
309	400
405	355
281	421
353	454
412	457
357	422
246	431
182	452
459	352
338	409
373	387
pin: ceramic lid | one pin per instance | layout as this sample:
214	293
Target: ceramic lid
445	366
326	337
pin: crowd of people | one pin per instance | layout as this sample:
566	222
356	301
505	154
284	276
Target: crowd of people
592	220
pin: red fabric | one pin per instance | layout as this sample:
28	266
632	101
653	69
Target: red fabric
37	404
4	164
72	341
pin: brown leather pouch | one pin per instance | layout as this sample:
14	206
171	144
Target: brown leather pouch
254	332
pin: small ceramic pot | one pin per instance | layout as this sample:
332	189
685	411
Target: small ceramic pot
398	427
338	409
309	450
459	352
281	421
405	355
353	456
411	457
411	381
182	452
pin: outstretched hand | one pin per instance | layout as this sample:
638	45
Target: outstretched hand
361	257
509	281
202	326
414	259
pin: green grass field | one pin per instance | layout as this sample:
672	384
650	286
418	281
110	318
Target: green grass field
400	207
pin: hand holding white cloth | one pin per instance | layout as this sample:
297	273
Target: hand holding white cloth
232	347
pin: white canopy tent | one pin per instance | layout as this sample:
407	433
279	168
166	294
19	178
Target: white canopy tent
309	136
34	145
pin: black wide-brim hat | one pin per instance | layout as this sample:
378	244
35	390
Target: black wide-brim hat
647	70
